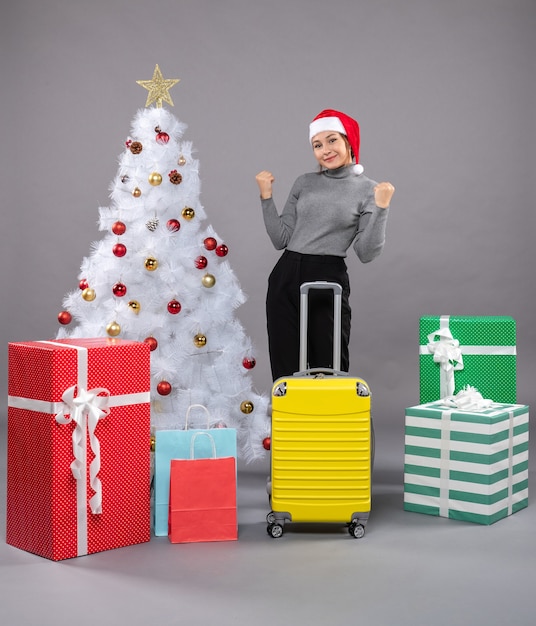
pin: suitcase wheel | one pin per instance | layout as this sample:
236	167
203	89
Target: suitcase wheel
356	530
270	518
275	530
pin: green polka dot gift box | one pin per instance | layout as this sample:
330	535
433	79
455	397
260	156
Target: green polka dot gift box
456	351
78	446
469	465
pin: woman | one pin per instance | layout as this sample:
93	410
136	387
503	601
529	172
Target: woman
326	213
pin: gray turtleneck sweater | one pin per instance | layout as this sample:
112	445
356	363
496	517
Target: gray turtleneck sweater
325	213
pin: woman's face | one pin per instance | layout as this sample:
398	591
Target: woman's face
331	149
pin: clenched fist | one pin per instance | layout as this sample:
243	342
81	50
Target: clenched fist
264	180
383	192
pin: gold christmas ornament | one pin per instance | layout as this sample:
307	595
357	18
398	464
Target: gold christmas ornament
135	306
158	88
155	179
89	294
188	213
136	192
246	407
151	264
208	281
181	161
113	329
153	443
200	340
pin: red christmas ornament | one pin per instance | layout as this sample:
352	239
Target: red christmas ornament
119	249
266	443
153	343
119	290
64	317
249	362
201	262
162	138
222	250
173	225
83	284
163	388
210	243
174	307
118	228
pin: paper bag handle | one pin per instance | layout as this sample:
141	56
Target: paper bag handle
199	406
192	444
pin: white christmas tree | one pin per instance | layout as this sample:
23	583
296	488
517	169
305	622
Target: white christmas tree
160	276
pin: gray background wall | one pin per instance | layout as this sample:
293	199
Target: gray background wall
444	93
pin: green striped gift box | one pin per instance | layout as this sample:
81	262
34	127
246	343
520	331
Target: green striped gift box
488	353
466	465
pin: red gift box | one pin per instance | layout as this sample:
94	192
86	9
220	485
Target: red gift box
78	448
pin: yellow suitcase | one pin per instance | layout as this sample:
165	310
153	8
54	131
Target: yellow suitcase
321	440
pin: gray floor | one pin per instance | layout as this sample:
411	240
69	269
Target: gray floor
408	569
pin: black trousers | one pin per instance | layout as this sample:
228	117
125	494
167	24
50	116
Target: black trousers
283	312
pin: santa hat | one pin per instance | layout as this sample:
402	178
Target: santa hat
341	123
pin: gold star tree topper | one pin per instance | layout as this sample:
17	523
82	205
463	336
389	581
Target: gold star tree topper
158	88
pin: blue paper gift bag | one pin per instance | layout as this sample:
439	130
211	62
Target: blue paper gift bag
175	444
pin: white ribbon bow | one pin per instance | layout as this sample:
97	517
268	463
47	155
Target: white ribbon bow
448	354
468	399
79	403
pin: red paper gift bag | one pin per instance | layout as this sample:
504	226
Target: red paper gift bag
202	498
78	458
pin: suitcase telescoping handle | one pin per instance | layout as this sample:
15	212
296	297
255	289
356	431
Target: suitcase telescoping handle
304	315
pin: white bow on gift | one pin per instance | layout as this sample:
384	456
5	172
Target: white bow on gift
80	403
448	354
468	399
